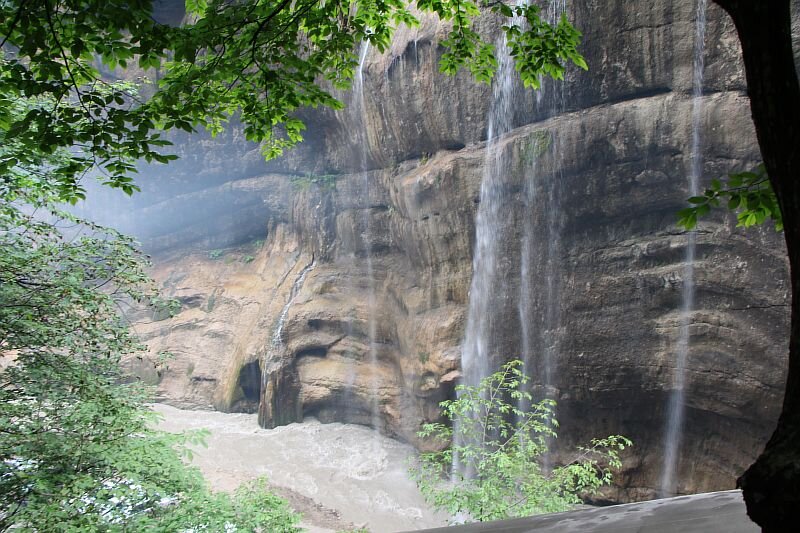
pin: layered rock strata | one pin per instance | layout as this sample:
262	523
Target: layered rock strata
595	172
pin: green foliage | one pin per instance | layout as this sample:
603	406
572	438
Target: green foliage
499	447
259	60
538	48
164	308
248	259
749	194
541	49
536	146
196	7
77	448
326	182
46	137
215	254
163	358
251	508
78	451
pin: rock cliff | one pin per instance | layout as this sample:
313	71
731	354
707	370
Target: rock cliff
367	231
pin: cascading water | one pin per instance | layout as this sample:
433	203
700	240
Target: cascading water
491	218
544	291
277	336
539	306
359	107
269	364
478	339
673	435
491	222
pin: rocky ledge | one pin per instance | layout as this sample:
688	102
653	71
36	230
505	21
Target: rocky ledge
335	281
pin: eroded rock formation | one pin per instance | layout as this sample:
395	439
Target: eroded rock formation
592	187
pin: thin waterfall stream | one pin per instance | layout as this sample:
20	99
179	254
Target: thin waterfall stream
491	218
549	292
276	342
270	360
359	107
491	221
673	435
277	336
539	305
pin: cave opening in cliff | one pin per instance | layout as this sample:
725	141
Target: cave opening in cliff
249	388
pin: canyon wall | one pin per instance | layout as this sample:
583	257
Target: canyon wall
377	270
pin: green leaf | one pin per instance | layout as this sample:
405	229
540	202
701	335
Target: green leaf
580	62
196	7
748	193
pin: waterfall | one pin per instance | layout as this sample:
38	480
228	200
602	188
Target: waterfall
359	107
485	289
554	100
539	304
268	365
673	435
277	336
488	225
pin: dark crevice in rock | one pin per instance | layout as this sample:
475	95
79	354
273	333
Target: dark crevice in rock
411	53
196	300
250	380
453	146
315	351
248	389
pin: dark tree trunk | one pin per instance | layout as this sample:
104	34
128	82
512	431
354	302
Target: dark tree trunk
771	485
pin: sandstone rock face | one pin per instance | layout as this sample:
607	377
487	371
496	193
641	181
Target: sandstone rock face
321	285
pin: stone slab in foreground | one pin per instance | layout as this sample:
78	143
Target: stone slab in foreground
700	513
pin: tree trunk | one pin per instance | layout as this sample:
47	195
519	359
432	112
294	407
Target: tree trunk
771	485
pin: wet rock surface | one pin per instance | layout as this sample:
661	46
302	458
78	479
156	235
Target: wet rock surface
716	511
591	190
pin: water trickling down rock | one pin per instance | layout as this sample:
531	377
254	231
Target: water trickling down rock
621	150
